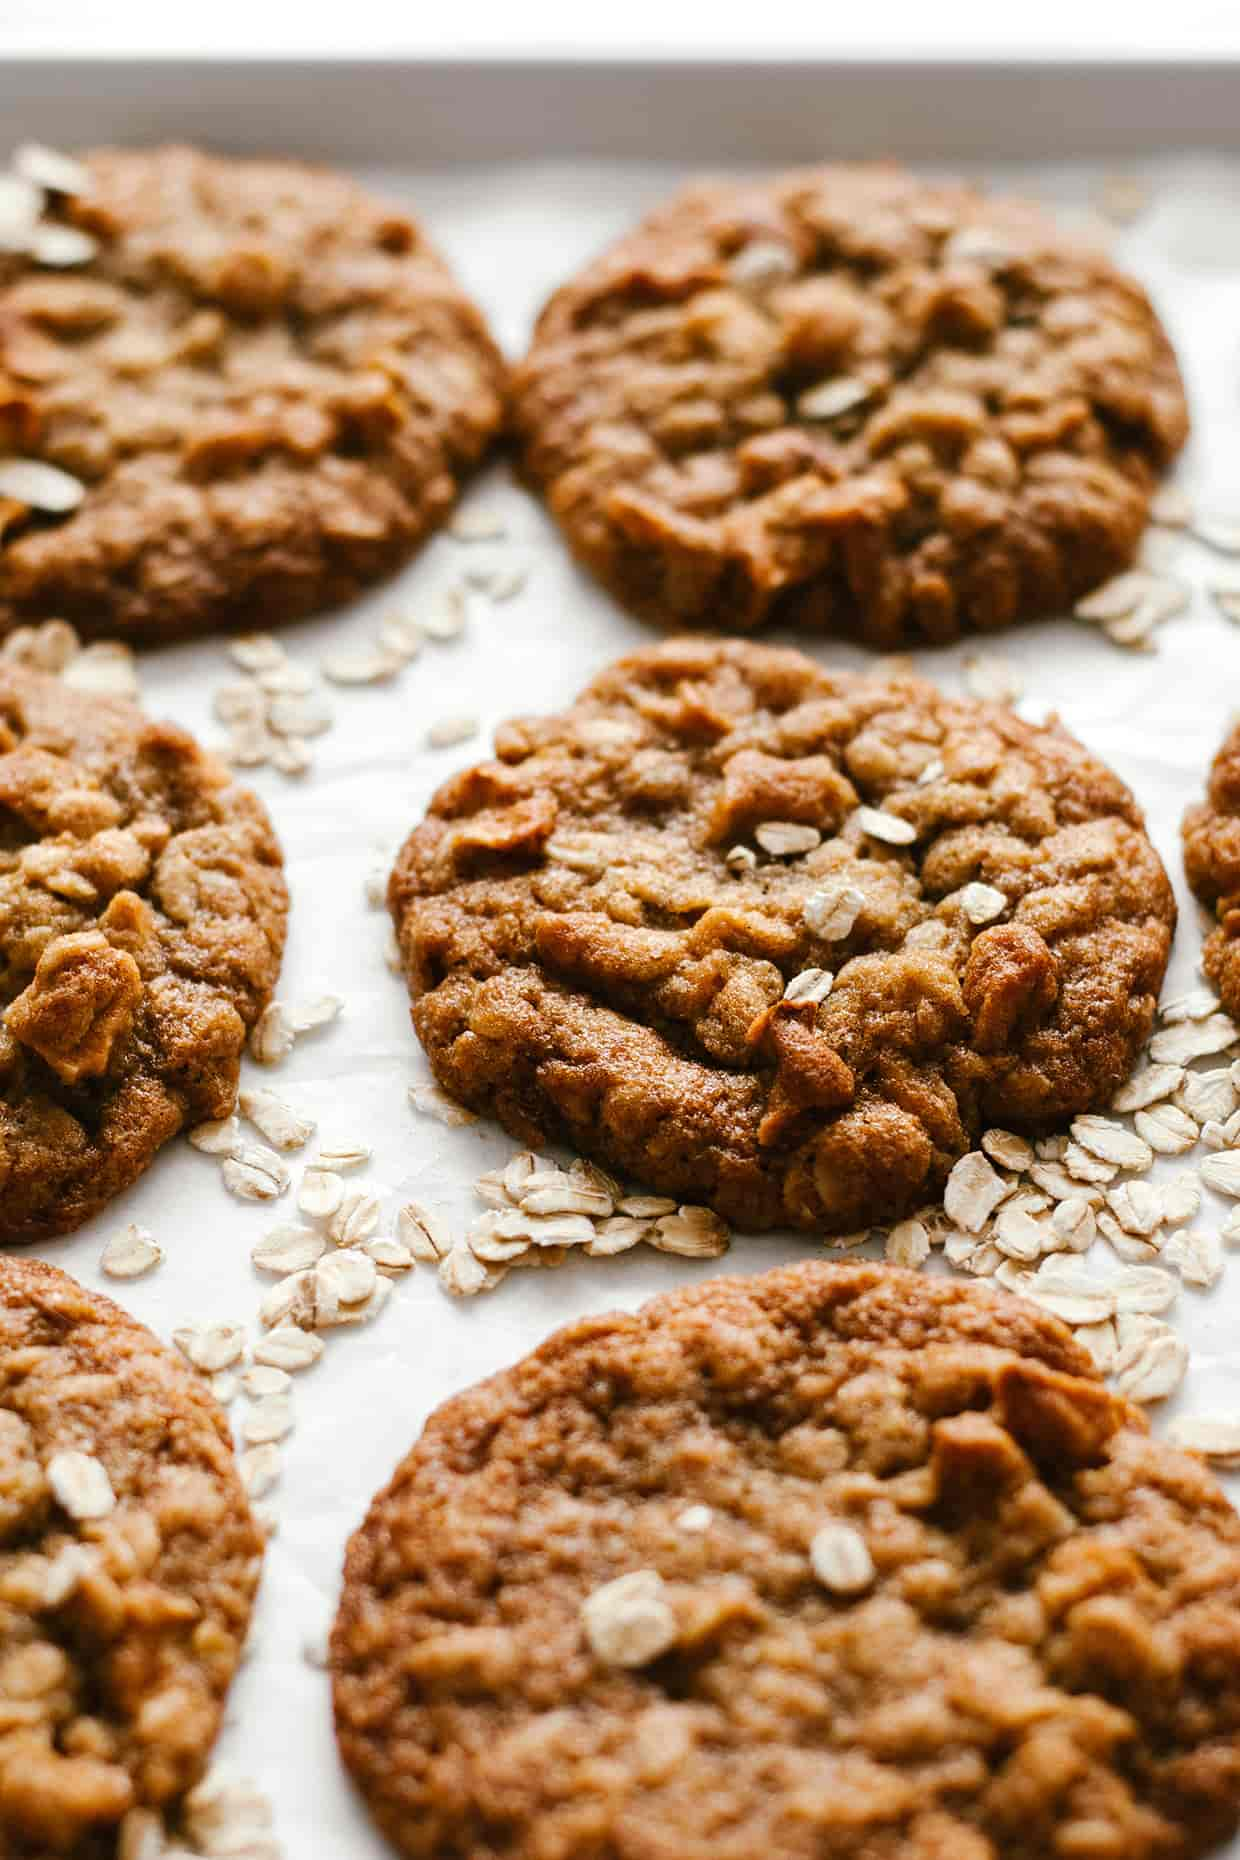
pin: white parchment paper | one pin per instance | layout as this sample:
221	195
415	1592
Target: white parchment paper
1155	718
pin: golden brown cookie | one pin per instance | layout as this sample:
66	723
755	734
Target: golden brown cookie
780	939
142	919
269	384
848	400
840	1560
1211	836
128	1567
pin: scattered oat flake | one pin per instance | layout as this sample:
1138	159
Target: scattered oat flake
463	1274
266	1379
130	1253
211	1347
287	1347
1110	1142
259	1467
450	731
320	1193
1101	1342
629	1622
360	668
973	1192
388	1255
424	1233
1209	1097
355	1219
1150	1360
1137	1206
908	1244
288	1249
1116	598
277	1120
1197	1257
1149	1084
256	652
401	636
342	1157
429	1101
1008	1150
692	1232
1221	1172
349	1276
617	1234
296	718
1216	1438
227	1815
255	1173
269	1420
1167	1129
80	1485
272	1036
445	619
488	1241
646	1207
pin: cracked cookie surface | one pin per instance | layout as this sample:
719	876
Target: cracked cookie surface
119	1633
597	950
270	385
142	920
1034	1651
848	400
1211	837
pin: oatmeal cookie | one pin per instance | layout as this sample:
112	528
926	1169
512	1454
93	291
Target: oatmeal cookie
1211	835
270	385
142	919
839	1560
607	931
128	1567
848	400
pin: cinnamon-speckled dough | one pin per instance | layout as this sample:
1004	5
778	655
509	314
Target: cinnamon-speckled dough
584	961
1043	1665
270	384
118	1637
991	405
142	919
1212	864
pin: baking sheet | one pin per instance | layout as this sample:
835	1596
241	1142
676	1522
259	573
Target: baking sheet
513	231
